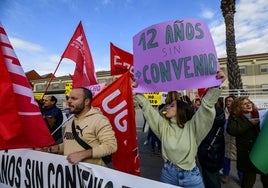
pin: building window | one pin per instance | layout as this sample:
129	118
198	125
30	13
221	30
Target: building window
264	87
242	70
101	80
56	86
39	87
264	68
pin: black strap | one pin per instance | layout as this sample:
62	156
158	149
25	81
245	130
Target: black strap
78	139
214	138
106	159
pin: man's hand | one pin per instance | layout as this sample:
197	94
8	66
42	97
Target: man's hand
50	149
77	157
54	149
44	149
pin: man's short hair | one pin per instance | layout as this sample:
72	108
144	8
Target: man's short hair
53	99
87	93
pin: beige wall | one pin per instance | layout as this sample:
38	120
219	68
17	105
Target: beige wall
251	64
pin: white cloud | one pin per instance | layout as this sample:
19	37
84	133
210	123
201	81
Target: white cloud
34	57
250	21
25	45
208	14
251	27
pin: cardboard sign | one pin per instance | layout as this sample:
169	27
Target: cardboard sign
155	98
175	55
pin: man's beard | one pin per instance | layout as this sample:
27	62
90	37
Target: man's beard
78	109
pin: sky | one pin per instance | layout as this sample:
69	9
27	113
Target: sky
39	30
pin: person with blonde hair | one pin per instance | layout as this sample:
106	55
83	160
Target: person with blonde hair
244	124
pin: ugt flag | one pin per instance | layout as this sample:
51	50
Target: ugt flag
78	51
21	122
116	102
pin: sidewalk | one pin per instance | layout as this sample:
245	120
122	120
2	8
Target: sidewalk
151	164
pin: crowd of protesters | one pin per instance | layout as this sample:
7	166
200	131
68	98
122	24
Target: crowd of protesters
198	139
228	140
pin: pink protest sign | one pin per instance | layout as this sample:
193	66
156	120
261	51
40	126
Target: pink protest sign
175	55
96	89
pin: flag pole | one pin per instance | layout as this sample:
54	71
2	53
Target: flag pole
68	119
51	79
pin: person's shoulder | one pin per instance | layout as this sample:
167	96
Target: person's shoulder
219	111
57	109
96	112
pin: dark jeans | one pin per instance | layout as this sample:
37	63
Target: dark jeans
211	179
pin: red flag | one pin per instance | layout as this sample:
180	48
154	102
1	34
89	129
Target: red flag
116	103
78	51
21	122
121	61
201	92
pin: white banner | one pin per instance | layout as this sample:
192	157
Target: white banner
29	168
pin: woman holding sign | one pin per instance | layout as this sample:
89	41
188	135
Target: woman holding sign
181	132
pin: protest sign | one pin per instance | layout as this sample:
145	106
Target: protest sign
175	55
30	168
155	98
95	89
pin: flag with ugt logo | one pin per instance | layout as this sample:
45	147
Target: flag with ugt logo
78	51
21	122
116	102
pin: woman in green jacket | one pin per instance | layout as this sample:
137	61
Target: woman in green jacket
181	132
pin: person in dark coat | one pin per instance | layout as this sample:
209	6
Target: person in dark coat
244	124
53	117
211	150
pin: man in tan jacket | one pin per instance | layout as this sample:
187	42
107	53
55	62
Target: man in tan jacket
91	126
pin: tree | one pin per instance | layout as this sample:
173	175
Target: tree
234	76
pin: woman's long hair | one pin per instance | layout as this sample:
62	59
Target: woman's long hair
184	112
236	105
172	96
226	98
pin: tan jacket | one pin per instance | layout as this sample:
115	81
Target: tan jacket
95	129
230	144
